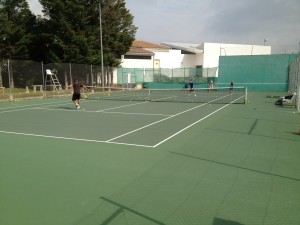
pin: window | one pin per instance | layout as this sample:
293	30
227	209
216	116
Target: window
148	57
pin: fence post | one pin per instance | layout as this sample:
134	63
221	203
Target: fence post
11	97
70	67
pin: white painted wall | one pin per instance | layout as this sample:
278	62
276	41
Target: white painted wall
169	59
208	59
212	51
137	63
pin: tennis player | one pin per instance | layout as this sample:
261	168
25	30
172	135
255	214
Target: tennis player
191	84
231	87
77	88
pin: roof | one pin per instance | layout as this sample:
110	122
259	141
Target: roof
188	47
138	51
139	47
144	44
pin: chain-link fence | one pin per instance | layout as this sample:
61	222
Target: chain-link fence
27	79
165	77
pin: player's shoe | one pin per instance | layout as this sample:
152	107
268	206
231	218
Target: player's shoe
78	106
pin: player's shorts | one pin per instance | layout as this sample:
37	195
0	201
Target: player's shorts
76	97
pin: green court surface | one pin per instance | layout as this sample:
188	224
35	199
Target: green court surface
149	163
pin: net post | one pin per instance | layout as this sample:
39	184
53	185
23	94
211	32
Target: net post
246	95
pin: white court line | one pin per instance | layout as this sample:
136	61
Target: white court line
89	111
62	103
172	117
189	126
194	123
16	110
156	122
105	110
102	110
129	144
75	139
144	114
118	107
24	106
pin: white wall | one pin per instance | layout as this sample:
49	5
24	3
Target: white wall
212	51
169	59
173	58
189	60
137	63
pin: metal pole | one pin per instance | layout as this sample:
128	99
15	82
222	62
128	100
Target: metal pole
101	45
265	40
9	81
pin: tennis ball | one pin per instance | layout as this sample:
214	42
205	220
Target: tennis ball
108	94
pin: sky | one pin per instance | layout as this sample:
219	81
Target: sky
275	23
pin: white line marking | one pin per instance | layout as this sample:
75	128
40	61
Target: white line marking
195	123
118	107
156	122
89	111
144	114
72	110
189	126
76	139
168	118
110	140
24	106
16	110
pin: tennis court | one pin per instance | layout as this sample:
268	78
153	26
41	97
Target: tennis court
149	162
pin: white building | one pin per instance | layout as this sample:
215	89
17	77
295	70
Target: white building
184	55
206	55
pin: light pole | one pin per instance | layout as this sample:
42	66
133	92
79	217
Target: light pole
101	46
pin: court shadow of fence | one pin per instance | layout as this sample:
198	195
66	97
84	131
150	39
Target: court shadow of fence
218	221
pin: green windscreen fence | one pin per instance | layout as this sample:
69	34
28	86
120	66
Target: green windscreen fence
257	73
165	77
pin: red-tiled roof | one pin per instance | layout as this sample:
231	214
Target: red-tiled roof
138	51
140	48
144	44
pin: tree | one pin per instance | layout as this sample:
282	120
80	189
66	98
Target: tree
16	21
73	30
118	30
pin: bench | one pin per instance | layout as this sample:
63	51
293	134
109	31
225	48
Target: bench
35	86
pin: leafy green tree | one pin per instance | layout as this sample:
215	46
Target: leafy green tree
16	22
118	30
74	32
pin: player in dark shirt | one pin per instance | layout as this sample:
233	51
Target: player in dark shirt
231	87
77	87
191	84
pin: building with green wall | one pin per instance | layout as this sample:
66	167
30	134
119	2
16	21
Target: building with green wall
256	72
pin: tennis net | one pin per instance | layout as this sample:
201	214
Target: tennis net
221	95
